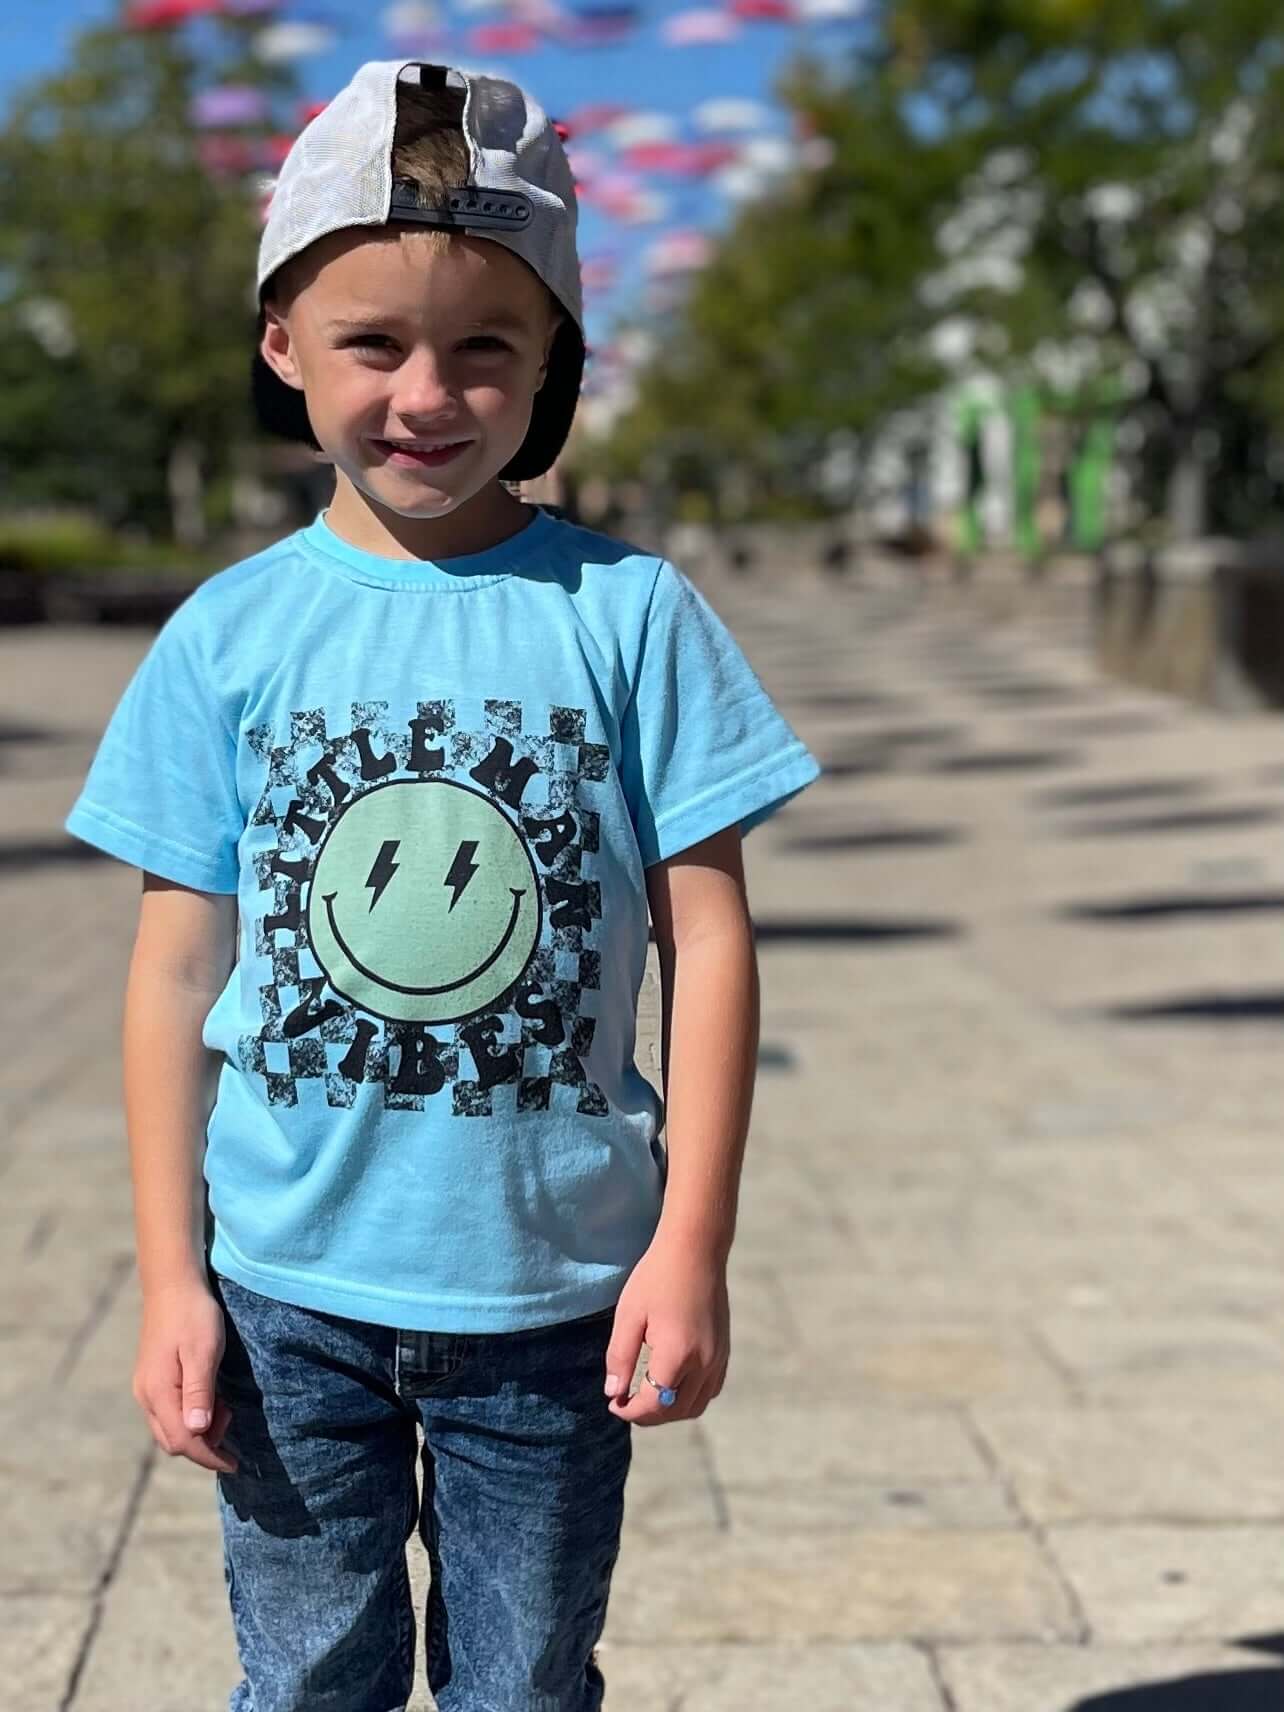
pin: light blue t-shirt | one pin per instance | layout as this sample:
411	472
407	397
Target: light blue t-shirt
433	788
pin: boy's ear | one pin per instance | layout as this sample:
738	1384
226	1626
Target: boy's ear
554	323
277	349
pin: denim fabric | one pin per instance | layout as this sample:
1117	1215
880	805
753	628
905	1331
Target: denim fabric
524	1469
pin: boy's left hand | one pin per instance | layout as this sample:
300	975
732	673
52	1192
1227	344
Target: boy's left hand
676	1302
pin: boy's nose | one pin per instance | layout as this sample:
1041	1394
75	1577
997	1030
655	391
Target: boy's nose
422	385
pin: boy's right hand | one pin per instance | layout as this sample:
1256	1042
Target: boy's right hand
179	1350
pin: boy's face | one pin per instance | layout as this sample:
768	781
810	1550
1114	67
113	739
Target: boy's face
392	342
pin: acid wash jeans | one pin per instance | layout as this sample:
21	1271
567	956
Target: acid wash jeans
524	1469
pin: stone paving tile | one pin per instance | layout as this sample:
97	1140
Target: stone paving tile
910	1363
823	1677
1200	1461
41	1637
164	1632
759	1441
58	1283
70	1465
809	1586
789	1507
1144	1357
1151	1583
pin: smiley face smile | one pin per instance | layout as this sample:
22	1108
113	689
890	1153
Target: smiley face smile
406	987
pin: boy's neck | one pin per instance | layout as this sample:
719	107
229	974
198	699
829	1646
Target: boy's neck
486	520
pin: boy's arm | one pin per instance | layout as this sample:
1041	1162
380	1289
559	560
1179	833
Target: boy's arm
184	949
710	1018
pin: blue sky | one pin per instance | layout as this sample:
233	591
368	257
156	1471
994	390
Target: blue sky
643	72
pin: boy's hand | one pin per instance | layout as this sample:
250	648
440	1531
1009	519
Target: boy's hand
179	1350
676	1302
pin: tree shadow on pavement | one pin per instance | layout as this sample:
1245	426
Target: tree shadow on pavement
1119	790
21	854
1195	820
1170	906
848	928
1003	760
1260	1690
1265	1006
879	838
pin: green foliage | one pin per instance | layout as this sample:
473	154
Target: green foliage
71	544
126	276
804	324
1137	149
1093	186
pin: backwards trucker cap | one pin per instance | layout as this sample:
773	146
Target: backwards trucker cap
519	192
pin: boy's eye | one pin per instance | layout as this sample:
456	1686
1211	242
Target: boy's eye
378	341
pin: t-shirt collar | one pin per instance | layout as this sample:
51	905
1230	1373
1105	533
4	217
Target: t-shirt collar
459	572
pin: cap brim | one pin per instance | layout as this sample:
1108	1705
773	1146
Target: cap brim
282	410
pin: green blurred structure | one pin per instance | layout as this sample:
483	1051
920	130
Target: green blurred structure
1087	467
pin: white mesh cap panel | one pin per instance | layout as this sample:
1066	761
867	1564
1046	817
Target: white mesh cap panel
339	171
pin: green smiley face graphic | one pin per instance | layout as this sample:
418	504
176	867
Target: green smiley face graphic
425	904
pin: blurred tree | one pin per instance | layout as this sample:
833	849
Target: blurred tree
804	326
1087	191
1125	220
126	276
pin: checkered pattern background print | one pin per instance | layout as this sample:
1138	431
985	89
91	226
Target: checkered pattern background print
502	1053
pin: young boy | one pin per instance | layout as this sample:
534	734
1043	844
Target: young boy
402	787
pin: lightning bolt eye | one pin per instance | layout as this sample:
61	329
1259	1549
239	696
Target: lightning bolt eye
462	869
382	869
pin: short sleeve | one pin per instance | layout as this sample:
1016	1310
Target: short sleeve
703	745
160	792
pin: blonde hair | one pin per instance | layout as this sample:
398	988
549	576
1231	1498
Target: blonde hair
428	147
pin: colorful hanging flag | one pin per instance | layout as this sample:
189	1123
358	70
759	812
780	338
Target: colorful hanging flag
225	154
545	15
408	17
693	29
690	160
585	163
624	197
732	113
593	26
289	40
649	127
596	116
679	251
161	14
229	104
502	38
598	273
414	26
764	11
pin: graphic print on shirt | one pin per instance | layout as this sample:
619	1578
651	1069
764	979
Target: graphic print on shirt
425	910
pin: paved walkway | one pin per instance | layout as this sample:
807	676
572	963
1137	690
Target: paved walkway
1003	1422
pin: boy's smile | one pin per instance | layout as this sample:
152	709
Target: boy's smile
419	354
